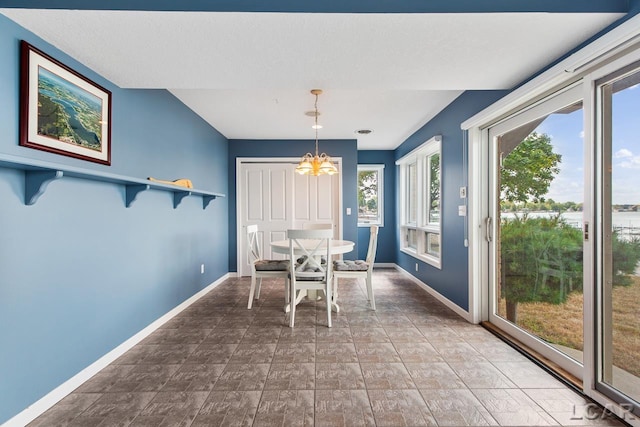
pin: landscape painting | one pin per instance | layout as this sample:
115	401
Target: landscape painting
62	111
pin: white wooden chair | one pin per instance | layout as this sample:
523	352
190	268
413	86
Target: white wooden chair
261	268
306	249
358	268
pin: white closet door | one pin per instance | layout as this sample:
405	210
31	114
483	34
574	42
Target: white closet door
276	198
266	201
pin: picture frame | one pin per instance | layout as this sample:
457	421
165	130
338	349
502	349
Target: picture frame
62	111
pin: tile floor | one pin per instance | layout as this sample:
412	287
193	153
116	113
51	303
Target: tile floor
412	362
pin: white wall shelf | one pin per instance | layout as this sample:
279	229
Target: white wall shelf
39	174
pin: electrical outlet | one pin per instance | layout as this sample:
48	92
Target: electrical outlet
416	266
463	192
201	268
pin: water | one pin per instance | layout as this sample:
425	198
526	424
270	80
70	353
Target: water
626	221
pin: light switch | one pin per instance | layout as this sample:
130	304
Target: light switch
462	210
348	211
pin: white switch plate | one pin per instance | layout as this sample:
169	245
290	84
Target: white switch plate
201	268
462	210
348	211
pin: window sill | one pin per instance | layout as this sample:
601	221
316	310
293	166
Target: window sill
433	261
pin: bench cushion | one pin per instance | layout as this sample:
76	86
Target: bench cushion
272	265
348	265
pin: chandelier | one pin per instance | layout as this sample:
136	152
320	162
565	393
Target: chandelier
318	164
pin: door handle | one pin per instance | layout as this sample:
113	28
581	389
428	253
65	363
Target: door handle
489	231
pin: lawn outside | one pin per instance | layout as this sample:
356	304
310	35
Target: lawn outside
562	324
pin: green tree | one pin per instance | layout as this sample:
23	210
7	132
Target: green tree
526	174
528	170
367	187
541	260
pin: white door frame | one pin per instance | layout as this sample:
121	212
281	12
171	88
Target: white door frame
240	198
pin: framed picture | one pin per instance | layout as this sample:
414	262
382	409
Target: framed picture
62	111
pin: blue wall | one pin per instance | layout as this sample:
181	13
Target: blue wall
79	272
387	235
452	280
347	149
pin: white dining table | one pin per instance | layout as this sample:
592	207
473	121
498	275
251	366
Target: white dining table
338	247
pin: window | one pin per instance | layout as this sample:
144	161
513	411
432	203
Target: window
370	191
420	202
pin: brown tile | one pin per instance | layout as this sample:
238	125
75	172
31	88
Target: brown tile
291	376
336	353
228	408
208	353
397	408
434	375
377	353
420	352
525	374
112	407
242	377
333	335
362	335
286	408
253	353
225	336
454	350
513	407
404	334
295	353
299	334
386	376
194	377
457	407
262	335
144	378
481	375
343	408
176	408
339	376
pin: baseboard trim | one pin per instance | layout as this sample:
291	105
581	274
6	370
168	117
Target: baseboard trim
39	407
447	302
384	265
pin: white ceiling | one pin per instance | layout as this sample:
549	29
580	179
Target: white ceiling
249	74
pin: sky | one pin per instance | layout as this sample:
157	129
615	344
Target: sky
567	137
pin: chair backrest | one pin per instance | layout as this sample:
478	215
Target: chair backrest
373	245
310	246
253	244
316	226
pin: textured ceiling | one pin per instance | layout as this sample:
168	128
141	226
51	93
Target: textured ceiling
249	74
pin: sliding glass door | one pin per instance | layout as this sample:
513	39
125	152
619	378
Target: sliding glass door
618	355
535	228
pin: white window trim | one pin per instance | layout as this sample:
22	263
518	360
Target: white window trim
417	156
380	169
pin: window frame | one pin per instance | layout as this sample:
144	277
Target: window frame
422	228
379	169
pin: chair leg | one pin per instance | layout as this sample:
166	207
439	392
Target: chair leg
258	287
292	311
251	291
372	299
329	299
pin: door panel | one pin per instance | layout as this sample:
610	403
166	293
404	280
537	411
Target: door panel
618	369
536	255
